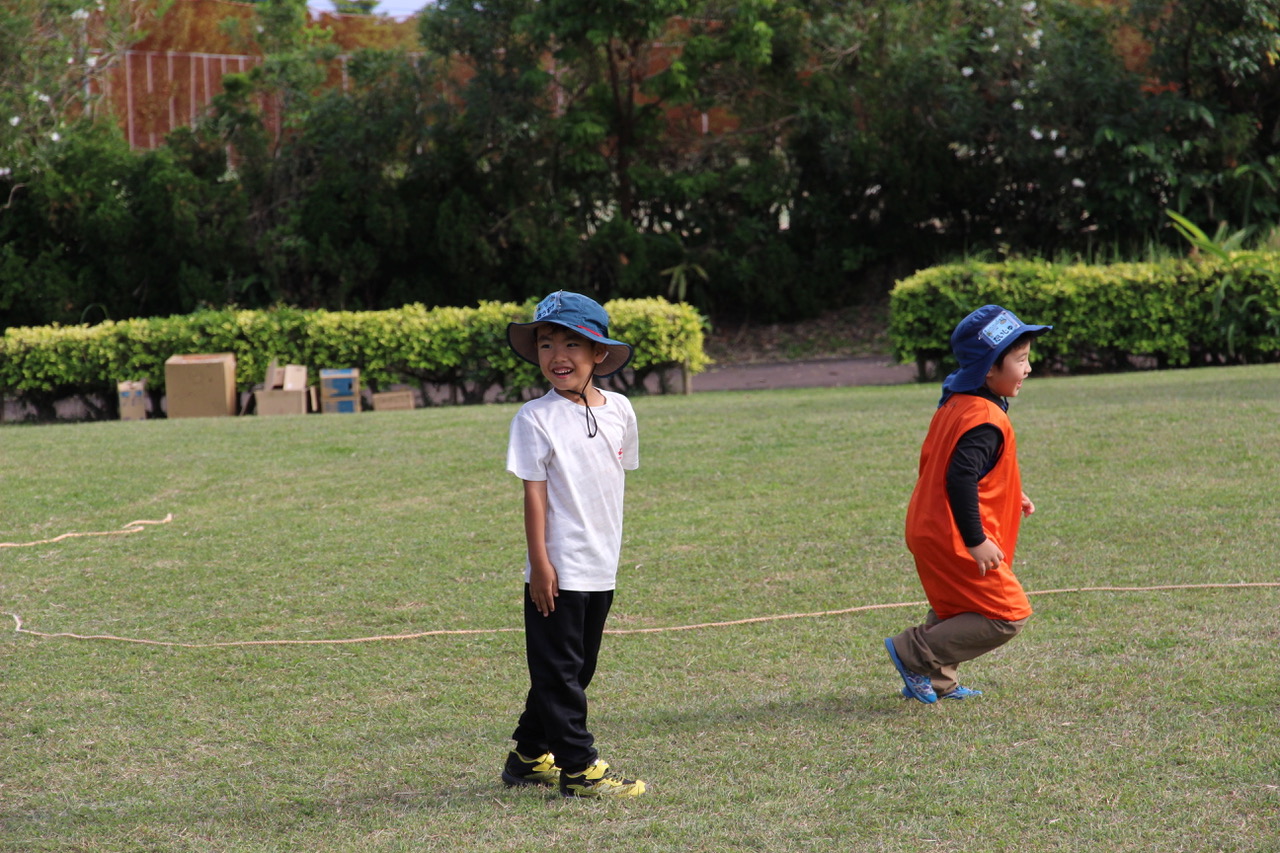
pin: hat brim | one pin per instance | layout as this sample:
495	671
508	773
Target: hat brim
523	340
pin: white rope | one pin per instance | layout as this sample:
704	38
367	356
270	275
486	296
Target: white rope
236	643
131	527
697	626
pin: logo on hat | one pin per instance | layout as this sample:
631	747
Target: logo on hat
1004	325
548	306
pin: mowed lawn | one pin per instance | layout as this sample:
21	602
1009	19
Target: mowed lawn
1120	720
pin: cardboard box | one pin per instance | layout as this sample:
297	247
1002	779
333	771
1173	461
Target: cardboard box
280	402
133	400
340	391
291	377
386	401
201	386
284	392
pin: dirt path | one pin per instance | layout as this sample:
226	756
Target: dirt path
817	373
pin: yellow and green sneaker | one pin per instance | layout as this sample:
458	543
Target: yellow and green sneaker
520	770
596	781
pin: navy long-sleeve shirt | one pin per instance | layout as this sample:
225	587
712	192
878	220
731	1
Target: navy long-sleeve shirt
976	453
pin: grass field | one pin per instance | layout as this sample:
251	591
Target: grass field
1118	721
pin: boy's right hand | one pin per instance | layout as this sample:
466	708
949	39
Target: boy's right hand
544	586
987	555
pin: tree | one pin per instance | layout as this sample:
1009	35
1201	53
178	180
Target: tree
766	158
1216	66
354	7
275	179
109	233
54	55
581	146
947	126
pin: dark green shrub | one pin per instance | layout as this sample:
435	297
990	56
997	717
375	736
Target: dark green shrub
1175	313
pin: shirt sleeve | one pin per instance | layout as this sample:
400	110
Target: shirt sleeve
528	448
975	455
631	442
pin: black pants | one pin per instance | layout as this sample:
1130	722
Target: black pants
562	649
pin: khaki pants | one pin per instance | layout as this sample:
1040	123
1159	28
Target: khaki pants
939	645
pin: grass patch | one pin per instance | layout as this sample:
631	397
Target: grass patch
1117	721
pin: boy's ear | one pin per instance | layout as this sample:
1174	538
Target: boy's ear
602	352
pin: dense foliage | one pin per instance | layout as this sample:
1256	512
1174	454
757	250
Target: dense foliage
764	158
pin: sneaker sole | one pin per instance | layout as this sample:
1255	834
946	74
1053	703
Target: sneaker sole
907	694
634	791
513	781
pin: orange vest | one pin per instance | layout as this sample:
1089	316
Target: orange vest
948	573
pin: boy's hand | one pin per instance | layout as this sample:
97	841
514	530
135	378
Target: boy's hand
1027	506
987	555
544	586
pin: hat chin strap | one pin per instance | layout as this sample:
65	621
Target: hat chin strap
593	426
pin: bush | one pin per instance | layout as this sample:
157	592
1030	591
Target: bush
1176	313
461	349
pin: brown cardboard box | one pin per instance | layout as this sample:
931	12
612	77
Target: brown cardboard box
385	401
284	392
278	401
340	391
291	377
133	400
201	386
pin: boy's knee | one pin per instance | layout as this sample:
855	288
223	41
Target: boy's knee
1013	628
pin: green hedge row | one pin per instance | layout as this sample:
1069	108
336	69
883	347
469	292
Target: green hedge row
461	349
1174	313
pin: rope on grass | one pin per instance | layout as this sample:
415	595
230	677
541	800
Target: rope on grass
456	632
237	643
131	527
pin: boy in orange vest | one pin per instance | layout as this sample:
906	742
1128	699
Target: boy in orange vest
963	518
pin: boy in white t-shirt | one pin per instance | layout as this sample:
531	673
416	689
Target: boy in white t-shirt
571	447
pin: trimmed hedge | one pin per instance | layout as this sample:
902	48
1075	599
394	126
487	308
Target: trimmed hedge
1175	313
462	349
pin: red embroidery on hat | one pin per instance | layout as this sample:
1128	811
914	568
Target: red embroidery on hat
592	331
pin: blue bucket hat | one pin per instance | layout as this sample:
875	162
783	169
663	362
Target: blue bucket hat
978	340
576	313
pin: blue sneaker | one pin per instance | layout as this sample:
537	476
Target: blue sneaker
918	686
961	693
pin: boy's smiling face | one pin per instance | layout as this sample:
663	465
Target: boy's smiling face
568	360
1005	379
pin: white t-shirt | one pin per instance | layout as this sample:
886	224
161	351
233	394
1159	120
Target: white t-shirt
585	479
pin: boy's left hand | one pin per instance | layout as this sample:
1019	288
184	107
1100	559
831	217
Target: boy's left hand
988	556
1027	506
544	587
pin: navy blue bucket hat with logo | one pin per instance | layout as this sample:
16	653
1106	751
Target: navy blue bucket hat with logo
577	313
978	340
